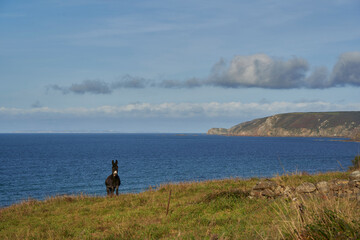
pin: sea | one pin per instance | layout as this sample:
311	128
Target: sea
39	166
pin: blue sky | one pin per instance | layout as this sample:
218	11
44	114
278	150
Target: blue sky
173	66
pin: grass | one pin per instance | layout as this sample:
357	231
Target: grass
198	210
319	218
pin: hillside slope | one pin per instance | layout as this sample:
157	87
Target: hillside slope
316	124
216	209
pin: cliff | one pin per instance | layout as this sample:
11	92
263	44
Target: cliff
356	137
217	131
316	124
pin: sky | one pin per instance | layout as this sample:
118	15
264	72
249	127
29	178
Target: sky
173	66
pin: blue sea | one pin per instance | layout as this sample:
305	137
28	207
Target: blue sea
41	165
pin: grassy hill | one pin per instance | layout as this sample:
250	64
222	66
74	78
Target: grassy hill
218	209
315	124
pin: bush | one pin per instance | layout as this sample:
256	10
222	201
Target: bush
355	162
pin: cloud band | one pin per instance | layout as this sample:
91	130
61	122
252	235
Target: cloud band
179	110
254	71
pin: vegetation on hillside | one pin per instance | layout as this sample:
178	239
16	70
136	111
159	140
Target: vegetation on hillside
218	209
356	137
308	124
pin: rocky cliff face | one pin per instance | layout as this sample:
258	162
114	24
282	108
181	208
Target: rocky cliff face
356	137
217	131
327	124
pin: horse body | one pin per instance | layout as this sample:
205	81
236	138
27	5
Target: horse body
113	182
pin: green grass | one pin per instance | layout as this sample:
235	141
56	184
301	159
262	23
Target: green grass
198	210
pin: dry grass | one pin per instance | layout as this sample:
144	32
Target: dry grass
296	178
318	217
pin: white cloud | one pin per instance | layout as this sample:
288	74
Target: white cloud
262	71
179	110
147	117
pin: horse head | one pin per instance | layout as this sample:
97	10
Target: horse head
115	168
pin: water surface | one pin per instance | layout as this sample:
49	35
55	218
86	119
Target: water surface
41	165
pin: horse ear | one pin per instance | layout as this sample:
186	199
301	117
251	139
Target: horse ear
116	162
112	161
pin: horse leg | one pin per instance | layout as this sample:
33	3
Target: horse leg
117	190
108	191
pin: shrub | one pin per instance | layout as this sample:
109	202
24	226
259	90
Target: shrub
355	162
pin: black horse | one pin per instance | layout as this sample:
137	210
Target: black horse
113	181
